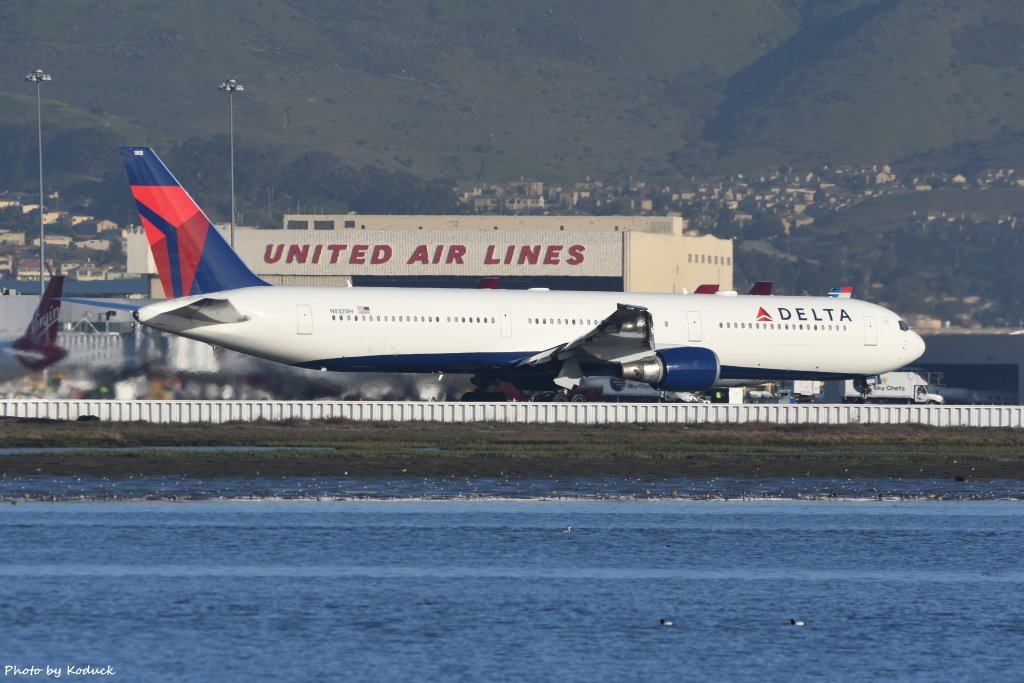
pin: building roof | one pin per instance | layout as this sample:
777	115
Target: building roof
126	287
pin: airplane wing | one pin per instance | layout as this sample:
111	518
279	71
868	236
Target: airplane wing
625	335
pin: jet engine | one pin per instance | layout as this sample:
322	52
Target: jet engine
685	368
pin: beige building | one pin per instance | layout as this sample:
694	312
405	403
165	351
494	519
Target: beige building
13	238
611	253
55	241
94	244
28	270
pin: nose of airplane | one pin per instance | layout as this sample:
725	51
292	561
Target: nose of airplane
915	347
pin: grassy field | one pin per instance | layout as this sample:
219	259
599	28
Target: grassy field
492	449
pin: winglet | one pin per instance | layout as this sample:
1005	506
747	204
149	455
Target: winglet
191	256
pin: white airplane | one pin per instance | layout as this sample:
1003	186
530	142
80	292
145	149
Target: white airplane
532	338
37	348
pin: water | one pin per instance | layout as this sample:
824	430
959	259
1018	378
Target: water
49	487
498	589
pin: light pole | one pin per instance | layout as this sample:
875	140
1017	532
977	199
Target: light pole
38	77
231	86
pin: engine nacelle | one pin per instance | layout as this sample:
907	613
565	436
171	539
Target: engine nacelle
685	368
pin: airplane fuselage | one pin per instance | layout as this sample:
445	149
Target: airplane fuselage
468	331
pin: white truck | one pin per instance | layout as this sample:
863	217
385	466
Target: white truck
894	387
617	390
806	390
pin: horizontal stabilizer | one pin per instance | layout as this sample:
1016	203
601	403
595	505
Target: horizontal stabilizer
103	303
199	313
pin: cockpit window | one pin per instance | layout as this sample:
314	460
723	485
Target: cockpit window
903	326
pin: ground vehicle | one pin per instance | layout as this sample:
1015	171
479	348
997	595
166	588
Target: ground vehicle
894	387
806	390
616	390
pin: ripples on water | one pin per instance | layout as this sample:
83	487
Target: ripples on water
502	590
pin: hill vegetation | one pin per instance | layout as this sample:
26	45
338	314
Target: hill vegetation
489	91
385	106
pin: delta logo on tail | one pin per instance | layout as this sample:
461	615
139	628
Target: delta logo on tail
184	243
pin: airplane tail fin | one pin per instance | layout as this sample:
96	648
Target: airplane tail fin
39	343
191	256
841	292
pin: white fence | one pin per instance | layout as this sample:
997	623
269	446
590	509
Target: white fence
519	413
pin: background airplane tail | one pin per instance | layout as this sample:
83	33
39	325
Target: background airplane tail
191	256
40	339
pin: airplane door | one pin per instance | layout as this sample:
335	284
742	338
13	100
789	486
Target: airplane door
870	332
506	323
693	326
304	316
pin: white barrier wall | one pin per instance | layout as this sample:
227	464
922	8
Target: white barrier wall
518	413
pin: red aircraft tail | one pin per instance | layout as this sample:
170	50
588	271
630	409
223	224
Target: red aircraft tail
38	346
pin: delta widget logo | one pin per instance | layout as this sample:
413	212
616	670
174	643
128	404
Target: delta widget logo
820	315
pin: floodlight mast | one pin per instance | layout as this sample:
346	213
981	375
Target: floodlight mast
37	77
231	86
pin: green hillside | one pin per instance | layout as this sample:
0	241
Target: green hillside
480	91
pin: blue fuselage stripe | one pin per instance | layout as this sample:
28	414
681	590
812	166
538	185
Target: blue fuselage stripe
510	362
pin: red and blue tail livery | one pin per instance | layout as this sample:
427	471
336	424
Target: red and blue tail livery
191	256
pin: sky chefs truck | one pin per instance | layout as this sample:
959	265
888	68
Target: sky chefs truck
894	387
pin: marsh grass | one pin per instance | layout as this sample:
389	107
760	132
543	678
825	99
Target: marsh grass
652	442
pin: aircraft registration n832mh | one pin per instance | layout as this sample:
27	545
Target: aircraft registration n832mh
531	338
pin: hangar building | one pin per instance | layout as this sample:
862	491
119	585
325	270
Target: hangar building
984	366
609	253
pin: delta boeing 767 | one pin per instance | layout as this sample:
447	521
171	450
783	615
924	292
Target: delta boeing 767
531	338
